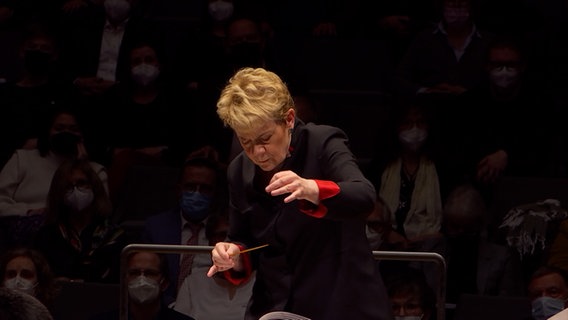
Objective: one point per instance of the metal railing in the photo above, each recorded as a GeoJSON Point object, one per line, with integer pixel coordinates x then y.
{"type": "Point", "coordinates": [180, 249]}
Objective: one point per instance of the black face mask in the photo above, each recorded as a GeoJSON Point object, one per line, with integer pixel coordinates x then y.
{"type": "Point", "coordinates": [65, 143]}
{"type": "Point", "coordinates": [36, 61]}
{"type": "Point", "coordinates": [245, 54]}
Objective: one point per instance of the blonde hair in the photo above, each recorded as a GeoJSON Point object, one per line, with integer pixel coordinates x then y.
{"type": "Point", "coordinates": [252, 97]}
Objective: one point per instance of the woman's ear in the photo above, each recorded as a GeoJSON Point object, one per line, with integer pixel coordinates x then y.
{"type": "Point", "coordinates": [290, 118]}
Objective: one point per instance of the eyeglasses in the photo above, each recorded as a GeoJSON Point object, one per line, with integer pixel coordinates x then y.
{"type": "Point", "coordinates": [145, 272]}
{"type": "Point", "coordinates": [81, 185]}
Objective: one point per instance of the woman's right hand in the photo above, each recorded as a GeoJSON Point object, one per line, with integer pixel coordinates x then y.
{"type": "Point", "coordinates": [225, 256]}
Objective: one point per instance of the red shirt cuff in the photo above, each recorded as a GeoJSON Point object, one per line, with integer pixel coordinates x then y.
{"type": "Point", "coordinates": [238, 277]}
{"type": "Point", "coordinates": [327, 189]}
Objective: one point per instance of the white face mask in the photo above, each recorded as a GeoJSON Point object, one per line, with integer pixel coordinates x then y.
{"type": "Point", "coordinates": [117, 10]}
{"type": "Point", "coordinates": [144, 74]}
{"type": "Point", "coordinates": [78, 200]}
{"type": "Point", "coordinates": [21, 284]}
{"type": "Point", "coordinates": [545, 307]}
{"type": "Point", "coordinates": [220, 10]}
{"type": "Point", "coordinates": [143, 290]}
{"type": "Point", "coordinates": [504, 77]}
{"type": "Point", "coordinates": [456, 16]}
{"type": "Point", "coordinates": [413, 138]}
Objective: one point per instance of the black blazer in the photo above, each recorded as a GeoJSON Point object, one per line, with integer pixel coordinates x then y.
{"type": "Point", "coordinates": [321, 268]}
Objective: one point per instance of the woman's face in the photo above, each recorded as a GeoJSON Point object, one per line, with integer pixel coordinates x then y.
{"type": "Point", "coordinates": [268, 146]}
{"type": "Point", "coordinates": [23, 267]}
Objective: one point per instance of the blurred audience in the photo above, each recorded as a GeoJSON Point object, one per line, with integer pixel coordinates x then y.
{"type": "Point", "coordinates": [26, 177]}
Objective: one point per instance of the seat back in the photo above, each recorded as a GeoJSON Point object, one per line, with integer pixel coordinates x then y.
{"type": "Point", "coordinates": [475, 307]}
{"type": "Point", "coordinates": [82, 300]}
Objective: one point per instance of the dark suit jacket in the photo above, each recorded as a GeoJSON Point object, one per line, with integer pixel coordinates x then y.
{"type": "Point", "coordinates": [80, 55]}
{"type": "Point", "coordinates": [321, 268]}
{"type": "Point", "coordinates": [165, 228]}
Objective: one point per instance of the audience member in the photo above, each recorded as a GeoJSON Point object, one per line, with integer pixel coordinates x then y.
{"type": "Point", "coordinates": [548, 291]}
{"type": "Point", "coordinates": [213, 298]}
{"type": "Point", "coordinates": [96, 50]}
{"type": "Point", "coordinates": [445, 61]}
{"type": "Point", "coordinates": [25, 179]}
{"type": "Point", "coordinates": [474, 264]}
{"type": "Point", "coordinates": [147, 280]}
{"type": "Point", "coordinates": [78, 238]}
{"type": "Point", "coordinates": [410, 296]}
{"type": "Point", "coordinates": [16, 305]}
{"type": "Point", "coordinates": [27, 270]}
{"type": "Point", "coordinates": [201, 194]}
{"type": "Point", "coordinates": [397, 22]}
{"type": "Point", "coordinates": [501, 146]}
{"type": "Point", "coordinates": [30, 98]}
{"type": "Point", "coordinates": [408, 176]}
{"type": "Point", "coordinates": [141, 111]}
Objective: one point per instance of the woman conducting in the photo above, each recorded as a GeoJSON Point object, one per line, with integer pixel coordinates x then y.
{"type": "Point", "coordinates": [296, 188]}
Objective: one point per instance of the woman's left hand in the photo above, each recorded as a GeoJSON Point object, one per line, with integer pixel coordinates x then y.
{"type": "Point", "coordinates": [285, 182]}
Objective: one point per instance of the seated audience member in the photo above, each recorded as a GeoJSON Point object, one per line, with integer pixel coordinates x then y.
{"type": "Point", "coordinates": [78, 238]}
{"type": "Point", "coordinates": [28, 100]}
{"type": "Point", "coordinates": [409, 177]}
{"type": "Point", "coordinates": [213, 298]}
{"type": "Point", "coordinates": [410, 296]}
{"type": "Point", "coordinates": [28, 271]}
{"type": "Point", "coordinates": [445, 60]}
{"type": "Point", "coordinates": [16, 305]}
{"type": "Point", "coordinates": [26, 177]}
{"type": "Point", "coordinates": [548, 291]}
{"type": "Point", "coordinates": [147, 280]}
{"type": "Point", "coordinates": [142, 118]}
{"type": "Point", "coordinates": [201, 194]}
{"type": "Point", "coordinates": [474, 264]}
{"type": "Point", "coordinates": [497, 146]}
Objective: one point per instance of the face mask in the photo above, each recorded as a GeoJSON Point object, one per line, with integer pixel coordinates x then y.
{"type": "Point", "coordinates": [408, 317]}
{"type": "Point", "coordinates": [413, 138]}
{"type": "Point", "coordinates": [144, 74]}
{"type": "Point", "coordinates": [220, 10]}
{"type": "Point", "coordinates": [36, 61]}
{"type": "Point", "coordinates": [504, 77]}
{"type": "Point", "coordinates": [545, 307]}
{"type": "Point", "coordinates": [21, 284]}
{"type": "Point", "coordinates": [64, 143]}
{"type": "Point", "coordinates": [194, 205]}
{"type": "Point", "coordinates": [117, 10]}
{"type": "Point", "coordinates": [143, 290]}
{"type": "Point", "coordinates": [78, 200]}
{"type": "Point", "coordinates": [456, 16]}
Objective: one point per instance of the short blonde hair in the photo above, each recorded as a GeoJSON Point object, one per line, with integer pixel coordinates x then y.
{"type": "Point", "coordinates": [252, 97]}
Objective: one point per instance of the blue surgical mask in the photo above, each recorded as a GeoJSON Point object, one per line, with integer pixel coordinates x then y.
{"type": "Point", "coordinates": [545, 307]}
{"type": "Point", "coordinates": [194, 205]}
